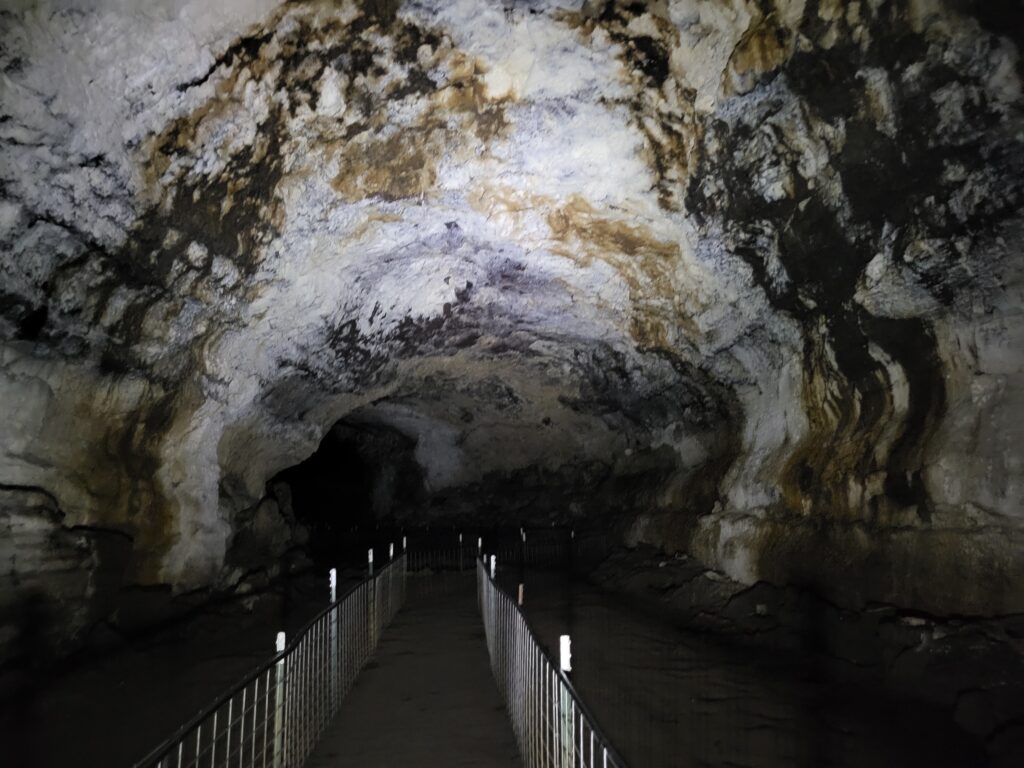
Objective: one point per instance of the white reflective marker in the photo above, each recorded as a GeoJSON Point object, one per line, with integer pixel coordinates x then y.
{"type": "Point", "coordinates": [494, 560]}
{"type": "Point", "coordinates": [520, 594]}
{"type": "Point", "coordinates": [278, 708]}
{"type": "Point", "coordinates": [403, 543]}
{"type": "Point", "coordinates": [565, 653]}
{"type": "Point", "coordinates": [334, 584]}
{"type": "Point", "coordinates": [479, 544]}
{"type": "Point", "coordinates": [522, 533]}
{"type": "Point", "coordinates": [391, 551]}
{"type": "Point", "coordinates": [460, 538]}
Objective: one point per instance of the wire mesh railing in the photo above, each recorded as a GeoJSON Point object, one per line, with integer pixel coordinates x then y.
{"type": "Point", "coordinates": [552, 726]}
{"type": "Point", "coordinates": [525, 549]}
{"type": "Point", "coordinates": [455, 557]}
{"type": "Point", "coordinates": [275, 716]}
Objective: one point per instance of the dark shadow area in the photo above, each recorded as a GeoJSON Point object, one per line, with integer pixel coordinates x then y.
{"type": "Point", "coordinates": [349, 494]}
{"type": "Point", "coordinates": [110, 707]}
{"type": "Point", "coordinates": [666, 697]}
{"type": "Point", "coordinates": [962, 677]}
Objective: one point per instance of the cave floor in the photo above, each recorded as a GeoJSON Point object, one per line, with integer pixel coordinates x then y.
{"type": "Point", "coordinates": [111, 709]}
{"type": "Point", "coordinates": [427, 698]}
{"type": "Point", "coordinates": [667, 698]}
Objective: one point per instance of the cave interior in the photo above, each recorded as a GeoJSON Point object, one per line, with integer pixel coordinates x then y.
{"type": "Point", "coordinates": [732, 289]}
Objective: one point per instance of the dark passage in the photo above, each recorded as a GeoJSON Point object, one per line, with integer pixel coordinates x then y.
{"type": "Point", "coordinates": [350, 490]}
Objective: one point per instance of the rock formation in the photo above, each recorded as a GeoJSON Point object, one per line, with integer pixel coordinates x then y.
{"type": "Point", "coordinates": [739, 278]}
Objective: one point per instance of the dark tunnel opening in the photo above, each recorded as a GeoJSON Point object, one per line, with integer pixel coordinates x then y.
{"type": "Point", "coordinates": [352, 491]}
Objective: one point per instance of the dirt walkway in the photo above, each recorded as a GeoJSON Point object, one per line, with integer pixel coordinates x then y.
{"type": "Point", "coordinates": [428, 698]}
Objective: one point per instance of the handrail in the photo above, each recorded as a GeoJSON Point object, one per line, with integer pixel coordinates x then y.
{"type": "Point", "coordinates": [542, 717]}
{"type": "Point", "coordinates": [325, 631]}
{"type": "Point", "coordinates": [245, 681]}
{"type": "Point", "coordinates": [534, 551]}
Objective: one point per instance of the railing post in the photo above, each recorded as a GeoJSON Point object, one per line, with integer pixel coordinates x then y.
{"type": "Point", "coordinates": [566, 731]}
{"type": "Point", "coordinates": [405, 570]}
{"type": "Point", "coordinates": [335, 618]}
{"type": "Point", "coordinates": [391, 581]}
{"type": "Point", "coordinates": [371, 613]}
{"type": "Point", "coordinates": [292, 699]}
{"type": "Point", "coordinates": [279, 724]}
{"type": "Point", "coordinates": [494, 561]}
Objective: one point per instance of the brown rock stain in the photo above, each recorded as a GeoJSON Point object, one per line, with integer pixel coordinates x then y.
{"type": "Point", "coordinates": [404, 164]}
{"type": "Point", "coordinates": [645, 263]}
{"type": "Point", "coordinates": [764, 47]}
{"type": "Point", "coordinates": [185, 133]}
{"type": "Point", "coordinates": [584, 235]}
{"type": "Point", "coordinates": [610, 239]}
{"type": "Point", "coordinates": [400, 166]}
{"type": "Point", "coordinates": [373, 162]}
{"type": "Point", "coordinates": [466, 95]}
{"type": "Point", "coordinates": [662, 108]}
{"type": "Point", "coordinates": [831, 471]}
{"type": "Point", "coordinates": [370, 222]}
{"type": "Point", "coordinates": [118, 464]}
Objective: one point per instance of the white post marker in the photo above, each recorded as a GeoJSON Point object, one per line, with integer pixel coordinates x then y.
{"type": "Point", "coordinates": [279, 685]}
{"type": "Point", "coordinates": [494, 560]}
{"type": "Point", "coordinates": [403, 543]}
{"type": "Point", "coordinates": [334, 632]}
{"type": "Point", "coordinates": [371, 594]}
{"type": "Point", "coordinates": [479, 545]}
{"type": "Point", "coordinates": [391, 551]}
{"type": "Point", "coordinates": [565, 653]}
{"type": "Point", "coordinates": [565, 705]}
{"type": "Point", "coordinates": [522, 534]}
{"type": "Point", "coordinates": [520, 596]}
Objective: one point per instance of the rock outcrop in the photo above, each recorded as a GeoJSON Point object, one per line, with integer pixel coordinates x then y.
{"type": "Point", "coordinates": [744, 276]}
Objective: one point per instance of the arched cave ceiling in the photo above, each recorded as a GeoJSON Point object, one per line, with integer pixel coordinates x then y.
{"type": "Point", "coordinates": [744, 275]}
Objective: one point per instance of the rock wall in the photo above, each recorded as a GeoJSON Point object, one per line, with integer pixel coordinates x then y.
{"type": "Point", "coordinates": [742, 276]}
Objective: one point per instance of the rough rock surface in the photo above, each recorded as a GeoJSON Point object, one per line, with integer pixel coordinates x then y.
{"type": "Point", "coordinates": [971, 668]}
{"type": "Point", "coordinates": [744, 275]}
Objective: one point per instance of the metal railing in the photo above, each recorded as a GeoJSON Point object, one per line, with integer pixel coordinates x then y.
{"type": "Point", "coordinates": [552, 726]}
{"type": "Point", "coordinates": [456, 557]}
{"type": "Point", "coordinates": [527, 551]}
{"type": "Point", "coordinates": [274, 717]}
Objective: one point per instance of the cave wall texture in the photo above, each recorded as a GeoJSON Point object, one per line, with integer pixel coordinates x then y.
{"type": "Point", "coordinates": [741, 277]}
